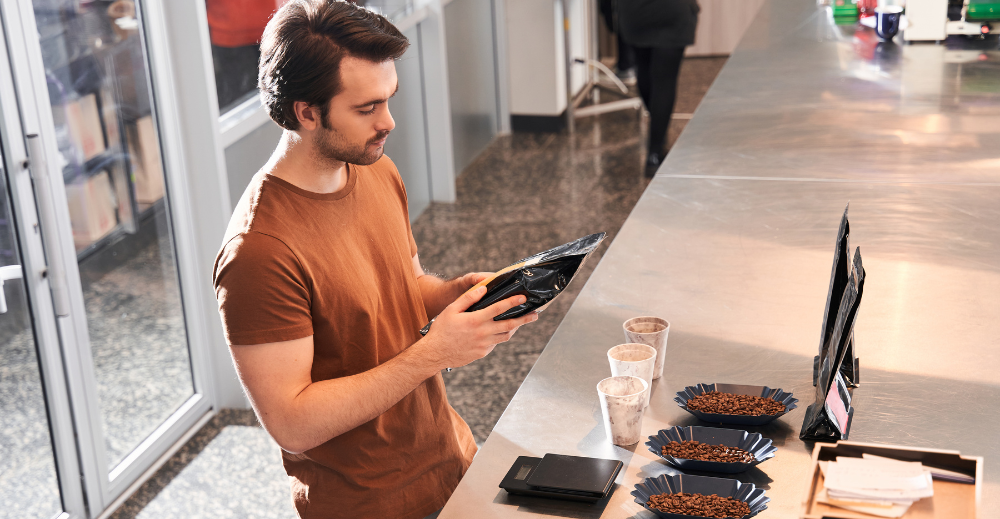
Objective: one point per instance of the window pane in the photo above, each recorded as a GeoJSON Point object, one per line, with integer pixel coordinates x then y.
{"type": "Point", "coordinates": [96, 65]}
{"type": "Point", "coordinates": [235, 27]}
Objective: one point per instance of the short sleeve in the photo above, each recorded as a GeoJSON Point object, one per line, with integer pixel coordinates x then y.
{"type": "Point", "coordinates": [262, 290]}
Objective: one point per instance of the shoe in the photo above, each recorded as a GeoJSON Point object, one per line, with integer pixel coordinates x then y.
{"type": "Point", "coordinates": [653, 161]}
{"type": "Point", "coordinates": [626, 76]}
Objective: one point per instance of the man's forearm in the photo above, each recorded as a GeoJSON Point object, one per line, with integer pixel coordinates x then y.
{"type": "Point", "coordinates": [329, 408]}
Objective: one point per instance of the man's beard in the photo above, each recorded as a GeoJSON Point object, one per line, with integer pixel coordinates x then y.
{"type": "Point", "coordinates": [333, 146]}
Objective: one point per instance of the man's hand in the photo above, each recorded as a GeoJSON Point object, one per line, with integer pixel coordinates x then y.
{"type": "Point", "coordinates": [472, 279]}
{"type": "Point", "coordinates": [459, 337]}
{"type": "Point", "coordinates": [438, 293]}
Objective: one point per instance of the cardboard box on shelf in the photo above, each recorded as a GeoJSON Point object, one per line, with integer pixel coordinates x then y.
{"type": "Point", "coordinates": [83, 121]}
{"type": "Point", "coordinates": [92, 208]}
{"type": "Point", "coordinates": [147, 169]}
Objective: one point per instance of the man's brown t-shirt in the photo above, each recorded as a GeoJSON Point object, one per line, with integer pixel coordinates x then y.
{"type": "Point", "coordinates": [338, 267]}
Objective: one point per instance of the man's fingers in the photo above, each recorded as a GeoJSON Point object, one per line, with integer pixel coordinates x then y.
{"type": "Point", "coordinates": [510, 325]}
{"type": "Point", "coordinates": [467, 299]}
{"type": "Point", "coordinates": [474, 278]}
{"type": "Point", "coordinates": [502, 306]}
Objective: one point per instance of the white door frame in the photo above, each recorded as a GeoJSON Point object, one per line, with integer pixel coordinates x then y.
{"type": "Point", "coordinates": [46, 334]}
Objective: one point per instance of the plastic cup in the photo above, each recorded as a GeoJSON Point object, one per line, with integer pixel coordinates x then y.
{"type": "Point", "coordinates": [651, 331]}
{"type": "Point", "coordinates": [621, 405]}
{"type": "Point", "coordinates": [634, 360]}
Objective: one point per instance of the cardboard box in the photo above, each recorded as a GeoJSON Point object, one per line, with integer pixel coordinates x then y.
{"type": "Point", "coordinates": [951, 500]}
{"type": "Point", "coordinates": [83, 123]}
{"type": "Point", "coordinates": [92, 208]}
{"type": "Point", "coordinates": [147, 168]}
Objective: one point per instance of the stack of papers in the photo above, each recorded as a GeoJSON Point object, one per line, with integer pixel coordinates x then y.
{"type": "Point", "coordinates": [876, 486]}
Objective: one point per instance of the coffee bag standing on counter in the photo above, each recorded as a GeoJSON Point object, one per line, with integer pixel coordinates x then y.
{"type": "Point", "coordinates": [540, 278]}
{"type": "Point", "coordinates": [838, 281]}
{"type": "Point", "coordinates": [829, 417]}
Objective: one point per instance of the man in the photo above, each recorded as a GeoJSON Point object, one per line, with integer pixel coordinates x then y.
{"type": "Point", "coordinates": [320, 288]}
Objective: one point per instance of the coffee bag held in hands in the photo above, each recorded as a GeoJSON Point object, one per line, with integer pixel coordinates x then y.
{"type": "Point", "coordinates": [540, 278]}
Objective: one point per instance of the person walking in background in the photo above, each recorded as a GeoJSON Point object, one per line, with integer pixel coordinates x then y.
{"type": "Point", "coordinates": [235, 27]}
{"type": "Point", "coordinates": [658, 31]}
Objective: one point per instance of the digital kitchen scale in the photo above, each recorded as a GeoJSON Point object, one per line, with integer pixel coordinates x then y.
{"type": "Point", "coordinates": [559, 476]}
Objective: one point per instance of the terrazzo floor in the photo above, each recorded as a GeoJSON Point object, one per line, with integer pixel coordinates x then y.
{"type": "Point", "coordinates": [523, 194]}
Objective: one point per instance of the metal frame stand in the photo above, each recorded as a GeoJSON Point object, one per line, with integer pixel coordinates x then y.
{"type": "Point", "coordinates": [593, 86]}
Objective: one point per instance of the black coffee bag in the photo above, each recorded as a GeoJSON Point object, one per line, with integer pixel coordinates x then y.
{"type": "Point", "coordinates": [539, 277]}
{"type": "Point", "coordinates": [835, 369]}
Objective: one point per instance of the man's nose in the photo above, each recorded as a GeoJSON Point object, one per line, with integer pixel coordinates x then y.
{"type": "Point", "coordinates": [385, 123]}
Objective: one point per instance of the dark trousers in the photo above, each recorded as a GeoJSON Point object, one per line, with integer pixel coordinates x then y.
{"type": "Point", "coordinates": [656, 72]}
{"type": "Point", "coordinates": [235, 73]}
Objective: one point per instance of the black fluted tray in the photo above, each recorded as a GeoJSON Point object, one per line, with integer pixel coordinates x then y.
{"type": "Point", "coordinates": [667, 484]}
{"type": "Point", "coordinates": [761, 447]}
{"type": "Point", "coordinates": [736, 389]}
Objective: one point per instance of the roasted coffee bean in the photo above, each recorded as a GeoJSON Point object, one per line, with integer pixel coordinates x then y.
{"type": "Point", "coordinates": [728, 403]}
{"type": "Point", "coordinates": [698, 505]}
{"type": "Point", "coordinates": [694, 450]}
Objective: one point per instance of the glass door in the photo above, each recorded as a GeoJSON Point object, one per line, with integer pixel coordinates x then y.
{"type": "Point", "coordinates": [39, 469]}
{"type": "Point", "coordinates": [81, 70]}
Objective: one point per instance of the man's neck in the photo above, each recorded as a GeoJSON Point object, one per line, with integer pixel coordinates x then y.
{"type": "Point", "coordinates": [297, 162]}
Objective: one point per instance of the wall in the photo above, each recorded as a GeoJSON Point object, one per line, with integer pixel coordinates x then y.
{"type": "Point", "coordinates": [531, 48]}
{"type": "Point", "coordinates": [472, 78]}
{"type": "Point", "coordinates": [246, 156]}
{"type": "Point", "coordinates": [537, 61]}
{"type": "Point", "coordinates": [407, 145]}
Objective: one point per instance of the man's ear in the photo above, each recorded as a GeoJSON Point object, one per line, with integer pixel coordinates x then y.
{"type": "Point", "coordinates": [308, 115]}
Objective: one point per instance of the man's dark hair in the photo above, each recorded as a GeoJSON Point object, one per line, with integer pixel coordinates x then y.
{"type": "Point", "coordinates": [301, 50]}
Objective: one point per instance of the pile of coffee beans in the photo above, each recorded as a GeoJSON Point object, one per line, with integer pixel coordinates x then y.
{"type": "Point", "coordinates": [698, 505]}
{"type": "Point", "coordinates": [694, 450]}
{"type": "Point", "coordinates": [728, 403]}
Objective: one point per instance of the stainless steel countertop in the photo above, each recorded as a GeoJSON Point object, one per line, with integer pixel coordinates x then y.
{"type": "Point", "coordinates": [740, 267]}
{"type": "Point", "coordinates": [802, 97]}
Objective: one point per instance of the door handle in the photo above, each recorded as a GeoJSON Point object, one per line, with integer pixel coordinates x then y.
{"type": "Point", "coordinates": [6, 274]}
{"type": "Point", "coordinates": [47, 217]}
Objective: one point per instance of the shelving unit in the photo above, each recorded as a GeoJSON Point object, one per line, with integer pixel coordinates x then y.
{"type": "Point", "coordinates": [98, 89]}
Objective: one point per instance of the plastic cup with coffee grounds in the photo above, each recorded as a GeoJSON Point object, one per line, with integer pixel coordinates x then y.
{"type": "Point", "coordinates": [634, 360]}
{"type": "Point", "coordinates": [651, 331]}
{"type": "Point", "coordinates": [621, 406]}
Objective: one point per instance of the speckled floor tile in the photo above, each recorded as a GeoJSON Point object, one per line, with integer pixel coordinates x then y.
{"type": "Point", "coordinates": [269, 475]}
{"type": "Point", "coordinates": [238, 475]}
{"type": "Point", "coordinates": [28, 486]}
